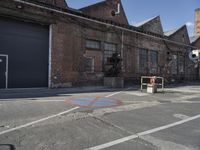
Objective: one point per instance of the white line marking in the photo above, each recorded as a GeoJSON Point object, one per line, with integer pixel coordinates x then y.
{"type": "Point", "coordinates": [113, 94]}
{"type": "Point", "coordinates": [180, 116]}
{"type": "Point", "coordinates": [188, 102]}
{"type": "Point", "coordinates": [37, 121]}
{"type": "Point", "coordinates": [117, 92]}
{"type": "Point", "coordinates": [131, 137]}
{"type": "Point", "coordinates": [63, 100]}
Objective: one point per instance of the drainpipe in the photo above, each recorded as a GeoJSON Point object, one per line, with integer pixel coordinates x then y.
{"type": "Point", "coordinates": [122, 51]}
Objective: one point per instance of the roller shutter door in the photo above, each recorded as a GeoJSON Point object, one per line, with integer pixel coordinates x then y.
{"type": "Point", "coordinates": [26, 45]}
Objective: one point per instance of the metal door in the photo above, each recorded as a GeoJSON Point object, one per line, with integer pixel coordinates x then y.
{"type": "Point", "coordinates": [3, 71]}
{"type": "Point", "coordinates": [27, 46]}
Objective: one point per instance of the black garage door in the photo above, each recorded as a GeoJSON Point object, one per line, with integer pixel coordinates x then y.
{"type": "Point", "coordinates": [26, 45]}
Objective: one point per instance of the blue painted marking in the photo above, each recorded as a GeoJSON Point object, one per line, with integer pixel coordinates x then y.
{"type": "Point", "coordinates": [83, 101]}
{"type": "Point", "coordinates": [95, 102]}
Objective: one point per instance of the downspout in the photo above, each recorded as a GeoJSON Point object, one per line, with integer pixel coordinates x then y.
{"type": "Point", "coordinates": [122, 51]}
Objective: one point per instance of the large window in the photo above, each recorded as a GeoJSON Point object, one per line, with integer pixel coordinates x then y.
{"type": "Point", "coordinates": [92, 44]}
{"type": "Point", "coordinates": [181, 64]}
{"type": "Point", "coordinates": [174, 66]}
{"type": "Point", "coordinates": [143, 61]}
{"type": "Point", "coordinates": [153, 64]}
{"type": "Point", "coordinates": [109, 50]}
{"type": "Point", "coordinates": [89, 64]}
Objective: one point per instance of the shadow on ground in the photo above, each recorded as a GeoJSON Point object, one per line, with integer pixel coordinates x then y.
{"type": "Point", "coordinates": [7, 147]}
{"type": "Point", "coordinates": [32, 94]}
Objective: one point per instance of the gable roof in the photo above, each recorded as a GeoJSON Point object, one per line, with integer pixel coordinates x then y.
{"type": "Point", "coordinates": [153, 25]}
{"type": "Point", "coordinates": [173, 31]}
{"type": "Point", "coordinates": [170, 32]}
{"type": "Point", "coordinates": [194, 39]}
{"type": "Point", "coordinates": [93, 5]}
{"type": "Point", "coordinates": [103, 10]}
{"type": "Point", "coordinates": [138, 24]}
{"type": "Point", "coordinates": [71, 12]}
{"type": "Point", "coordinates": [179, 35]}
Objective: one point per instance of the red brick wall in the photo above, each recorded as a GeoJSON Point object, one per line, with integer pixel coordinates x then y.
{"type": "Point", "coordinates": [197, 22]}
{"type": "Point", "coordinates": [68, 44]}
{"type": "Point", "coordinates": [103, 10]}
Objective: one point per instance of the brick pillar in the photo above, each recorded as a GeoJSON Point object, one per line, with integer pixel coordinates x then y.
{"type": "Point", "coordinates": [197, 22]}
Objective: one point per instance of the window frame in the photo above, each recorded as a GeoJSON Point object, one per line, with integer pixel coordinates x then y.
{"type": "Point", "coordinates": [90, 47]}
{"type": "Point", "coordinates": [143, 68]}
{"type": "Point", "coordinates": [92, 65]}
{"type": "Point", "coordinates": [151, 65]}
{"type": "Point", "coordinates": [108, 52]}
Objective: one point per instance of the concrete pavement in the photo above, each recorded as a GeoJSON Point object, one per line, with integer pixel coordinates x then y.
{"type": "Point", "coordinates": [80, 128]}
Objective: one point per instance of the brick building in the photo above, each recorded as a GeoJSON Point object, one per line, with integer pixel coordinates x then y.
{"type": "Point", "coordinates": [45, 43]}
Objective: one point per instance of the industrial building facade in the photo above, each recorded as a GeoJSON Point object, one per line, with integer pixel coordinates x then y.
{"type": "Point", "coordinates": [45, 43]}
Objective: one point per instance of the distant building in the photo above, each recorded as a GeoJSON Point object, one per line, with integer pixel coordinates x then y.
{"type": "Point", "coordinates": [197, 22]}
{"type": "Point", "coordinates": [44, 43]}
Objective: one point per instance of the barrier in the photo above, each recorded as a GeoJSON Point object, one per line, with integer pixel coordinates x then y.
{"type": "Point", "coordinates": [153, 82]}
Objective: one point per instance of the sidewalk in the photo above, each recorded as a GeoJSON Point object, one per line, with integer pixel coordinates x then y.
{"type": "Point", "coordinates": [45, 92]}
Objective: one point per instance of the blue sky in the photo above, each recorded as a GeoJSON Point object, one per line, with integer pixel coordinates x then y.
{"type": "Point", "coordinates": [173, 13]}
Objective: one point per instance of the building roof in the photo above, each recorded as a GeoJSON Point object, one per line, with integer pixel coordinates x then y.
{"type": "Point", "coordinates": [104, 21]}
{"type": "Point", "coordinates": [144, 22]}
{"type": "Point", "coordinates": [103, 10]}
{"type": "Point", "coordinates": [170, 32]}
{"type": "Point", "coordinates": [93, 5]}
{"type": "Point", "coordinates": [194, 39]}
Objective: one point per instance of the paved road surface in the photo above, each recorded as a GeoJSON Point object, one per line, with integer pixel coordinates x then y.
{"type": "Point", "coordinates": [100, 118]}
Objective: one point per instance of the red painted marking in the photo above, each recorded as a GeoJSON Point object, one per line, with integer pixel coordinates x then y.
{"type": "Point", "coordinates": [93, 102]}
{"type": "Point", "coordinates": [118, 103]}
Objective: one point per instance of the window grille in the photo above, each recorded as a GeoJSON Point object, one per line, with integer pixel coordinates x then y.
{"type": "Point", "coordinates": [153, 64]}
{"type": "Point", "coordinates": [109, 50]}
{"type": "Point", "coordinates": [89, 64]}
{"type": "Point", "coordinates": [91, 44]}
{"type": "Point", "coordinates": [143, 61]}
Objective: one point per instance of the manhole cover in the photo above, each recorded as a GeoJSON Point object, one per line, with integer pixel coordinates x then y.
{"type": "Point", "coordinates": [97, 102]}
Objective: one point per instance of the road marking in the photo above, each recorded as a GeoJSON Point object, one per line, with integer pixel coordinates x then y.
{"type": "Point", "coordinates": [60, 100]}
{"type": "Point", "coordinates": [180, 116]}
{"type": "Point", "coordinates": [188, 102]}
{"type": "Point", "coordinates": [137, 93]}
{"type": "Point", "coordinates": [113, 94]}
{"type": "Point", "coordinates": [131, 137]}
{"type": "Point", "coordinates": [117, 92]}
{"type": "Point", "coordinates": [37, 121]}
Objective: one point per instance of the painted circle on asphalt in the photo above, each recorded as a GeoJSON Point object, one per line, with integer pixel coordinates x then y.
{"type": "Point", "coordinates": [95, 102]}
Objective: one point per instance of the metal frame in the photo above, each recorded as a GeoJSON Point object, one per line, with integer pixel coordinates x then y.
{"type": "Point", "coordinates": [6, 73]}
{"type": "Point", "coordinates": [149, 77]}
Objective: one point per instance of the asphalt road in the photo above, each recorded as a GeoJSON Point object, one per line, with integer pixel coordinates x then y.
{"type": "Point", "coordinates": [100, 118]}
